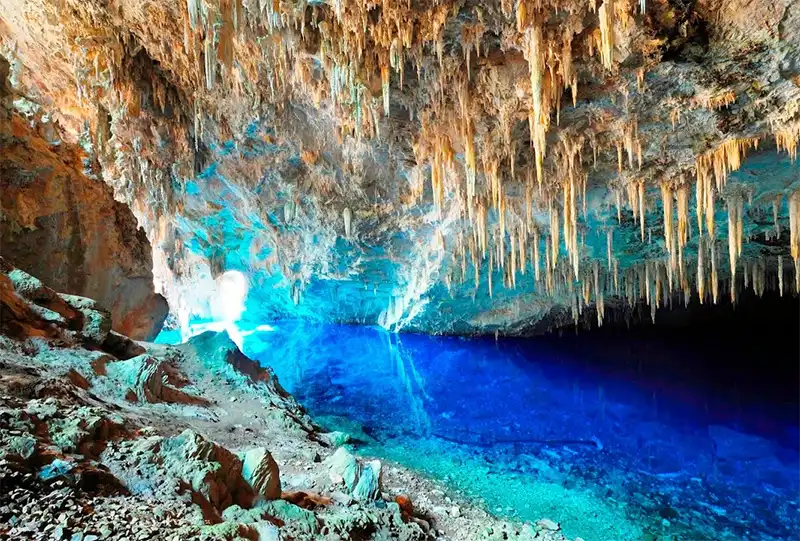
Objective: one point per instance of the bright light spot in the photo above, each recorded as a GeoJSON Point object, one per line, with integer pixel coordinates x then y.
{"type": "Point", "coordinates": [228, 306]}
{"type": "Point", "coordinates": [265, 328]}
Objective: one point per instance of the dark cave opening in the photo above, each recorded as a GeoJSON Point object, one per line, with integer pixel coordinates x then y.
{"type": "Point", "coordinates": [742, 357]}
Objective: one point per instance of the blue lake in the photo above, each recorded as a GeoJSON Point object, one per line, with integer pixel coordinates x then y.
{"type": "Point", "coordinates": [608, 446]}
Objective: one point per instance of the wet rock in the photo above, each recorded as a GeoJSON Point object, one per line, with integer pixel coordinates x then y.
{"type": "Point", "coordinates": [260, 470]}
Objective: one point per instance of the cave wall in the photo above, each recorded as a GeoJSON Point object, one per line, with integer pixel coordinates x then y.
{"type": "Point", "coordinates": [60, 222]}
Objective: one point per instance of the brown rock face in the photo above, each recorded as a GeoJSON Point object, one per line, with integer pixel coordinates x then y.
{"type": "Point", "coordinates": [58, 223]}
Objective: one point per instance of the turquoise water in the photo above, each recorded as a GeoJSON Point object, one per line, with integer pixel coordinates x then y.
{"type": "Point", "coordinates": [612, 450]}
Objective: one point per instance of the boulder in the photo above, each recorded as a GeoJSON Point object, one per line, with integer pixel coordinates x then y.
{"type": "Point", "coordinates": [363, 482]}
{"type": "Point", "coordinates": [369, 483]}
{"type": "Point", "coordinates": [121, 346]}
{"type": "Point", "coordinates": [213, 473]}
{"type": "Point", "coordinates": [96, 321]}
{"type": "Point", "coordinates": [260, 470]}
{"type": "Point", "coordinates": [149, 379]}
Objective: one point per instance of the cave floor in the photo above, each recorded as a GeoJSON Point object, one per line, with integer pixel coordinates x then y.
{"type": "Point", "coordinates": [612, 452]}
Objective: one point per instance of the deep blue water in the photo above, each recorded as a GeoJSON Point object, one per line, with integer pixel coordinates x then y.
{"type": "Point", "coordinates": [600, 440]}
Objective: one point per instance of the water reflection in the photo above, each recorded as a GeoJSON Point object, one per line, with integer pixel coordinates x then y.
{"type": "Point", "coordinates": [671, 460]}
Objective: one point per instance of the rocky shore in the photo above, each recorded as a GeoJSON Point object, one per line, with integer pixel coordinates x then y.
{"type": "Point", "coordinates": [102, 437]}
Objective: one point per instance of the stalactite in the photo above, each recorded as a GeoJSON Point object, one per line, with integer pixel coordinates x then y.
{"type": "Point", "coordinates": [683, 214]}
{"type": "Point", "coordinates": [606, 16]}
{"type": "Point", "coordinates": [538, 116]}
{"type": "Point", "coordinates": [347, 215]}
{"type": "Point", "coordinates": [491, 272]}
{"type": "Point", "coordinates": [714, 273]}
{"type": "Point", "coordinates": [641, 207]}
{"type": "Point", "coordinates": [225, 36]}
{"type": "Point", "coordinates": [787, 139]}
{"type": "Point", "coordinates": [193, 8]}
{"type": "Point", "coordinates": [701, 271]}
{"type": "Point", "coordinates": [794, 235]}
{"type": "Point", "coordinates": [666, 202]}
{"type": "Point", "coordinates": [734, 232]}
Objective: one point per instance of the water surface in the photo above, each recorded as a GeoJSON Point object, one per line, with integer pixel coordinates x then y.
{"type": "Point", "coordinates": [601, 441]}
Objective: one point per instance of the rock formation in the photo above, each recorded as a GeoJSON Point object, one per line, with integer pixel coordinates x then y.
{"type": "Point", "coordinates": [451, 166]}
{"type": "Point", "coordinates": [61, 222]}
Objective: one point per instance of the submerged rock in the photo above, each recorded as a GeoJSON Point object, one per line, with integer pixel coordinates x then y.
{"type": "Point", "coordinates": [732, 445]}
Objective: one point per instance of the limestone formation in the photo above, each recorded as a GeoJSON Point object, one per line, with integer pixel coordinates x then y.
{"type": "Point", "coordinates": [478, 167]}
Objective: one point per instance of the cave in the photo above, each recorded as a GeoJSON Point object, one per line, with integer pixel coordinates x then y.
{"type": "Point", "coordinates": [451, 270]}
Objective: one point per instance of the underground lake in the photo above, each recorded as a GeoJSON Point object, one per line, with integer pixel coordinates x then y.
{"type": "Point", "coordinates": [664, 432]}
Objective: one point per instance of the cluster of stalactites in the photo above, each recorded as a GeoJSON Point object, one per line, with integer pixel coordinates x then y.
{"type": "Point", "coordinates": [713, 169]}
{"type": "Point", "coordinates": [652, 281]}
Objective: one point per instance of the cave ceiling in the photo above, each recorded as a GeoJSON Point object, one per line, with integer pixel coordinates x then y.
{"type": "Point", "coordinates": [444, 166]}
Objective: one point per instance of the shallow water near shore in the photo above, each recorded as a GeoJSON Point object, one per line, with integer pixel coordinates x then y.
{"type": "Point", "coordinates": [530, 430]}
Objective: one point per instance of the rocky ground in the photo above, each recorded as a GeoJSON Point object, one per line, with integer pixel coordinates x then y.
{"type": "Point", "coordinates": [102, 437]}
